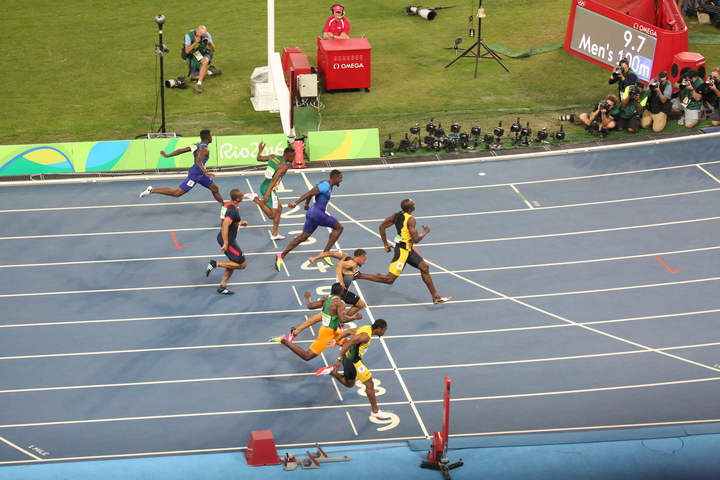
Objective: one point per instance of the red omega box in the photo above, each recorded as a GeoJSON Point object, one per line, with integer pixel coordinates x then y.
{"type": "Point", "coordinates": [344, 63]}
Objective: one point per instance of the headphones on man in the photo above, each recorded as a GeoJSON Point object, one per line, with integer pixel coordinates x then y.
{"type": "Point", "coordinates": [332, 9]}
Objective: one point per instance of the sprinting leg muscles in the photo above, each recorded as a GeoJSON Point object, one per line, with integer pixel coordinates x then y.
{"type": "Point", "coordinates": [216, 193]}
{"type": "Point", "coordinates": [387, 278]}
{"type": "Point", "coordinates": [425, 275]}
{"type": "Point", "coordinates": [306, 355]}
{"type": "Point", "coordinates": [334, 235]}
{"type": "Point", "coordinates": [308, 323]}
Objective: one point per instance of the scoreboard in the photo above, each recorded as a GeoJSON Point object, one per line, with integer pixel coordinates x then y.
{"type": "Point", "coordinates": [604, 35]}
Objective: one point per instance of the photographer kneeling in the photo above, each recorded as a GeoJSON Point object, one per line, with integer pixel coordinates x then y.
{"type": "Point", "coordinates": [603, 116]}
{"type": "Point", "coordinates": [631, 107]}
{"type": "Point", "coordinates": [199, 50]}
{"type": "Point", "coordinates": [658, 104]}
{"type": "Point", "coordinates": [689, 102]}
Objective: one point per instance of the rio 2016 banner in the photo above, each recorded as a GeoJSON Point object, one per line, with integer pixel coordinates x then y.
{"type": "Point", "coordinates": [145, 154]}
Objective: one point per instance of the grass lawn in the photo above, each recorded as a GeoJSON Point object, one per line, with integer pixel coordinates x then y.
{"type": "Point", "coordinates": [87, 71]}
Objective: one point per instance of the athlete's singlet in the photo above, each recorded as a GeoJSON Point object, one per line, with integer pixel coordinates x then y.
{"type": "Point", "coordinates": [330, 321]}
{"type": "Point", "coordinates": [356, 352]}
{"type": "Point", "coordinates": [403, 233]}
{"type": "Point", "coordinates": [272, 166]}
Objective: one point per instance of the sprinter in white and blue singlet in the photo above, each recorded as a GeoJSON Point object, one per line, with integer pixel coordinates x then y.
{"type": "Point", "coordinates": [197, 174]}
{"type": "Point", "coordinates": [316, 215]}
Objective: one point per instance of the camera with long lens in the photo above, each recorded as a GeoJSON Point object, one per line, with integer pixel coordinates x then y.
{"type": "Point", "coordinates": [475, 131]}
{"type": "Point", "coordinates": [204, 39]}
{"type": "Point", "coordinates": [567, 118]}
{"type": "Point", "coordinates": [176, 83]}
{"type": "Point", "coordinates": [415, 129]}
{"type": "Point", "coordinates": [603, 106]}
{"type": "Point", "coordinates": [439, 132]}
{"type": "Point", "coordinates": [559, 135]}
{"type": "Point", "coordinates": [516, 127]}
{"type": "Point", "coordinates": [542, 135]}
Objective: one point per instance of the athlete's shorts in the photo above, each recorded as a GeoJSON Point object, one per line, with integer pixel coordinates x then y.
{"type": "Point", "coordinates": [403, 257]}
{"type": "Point", "coordinates": [358, 370]}
{"type": "Point", "coordinates": [233, 252]}
{"type": "Point", "coordinates": [325, 335]}
{"type": "Point", "coordinates": [350, 298]}
{"type": "Point", "coordinates": [194, 178]}
{"type": "Point", "coordinates": [317, 218]}
{"type": "Point", "coordinates": [273, 200]}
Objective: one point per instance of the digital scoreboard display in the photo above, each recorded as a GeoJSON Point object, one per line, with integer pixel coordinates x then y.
{"type": "Point", "coordinates": [607, 41]}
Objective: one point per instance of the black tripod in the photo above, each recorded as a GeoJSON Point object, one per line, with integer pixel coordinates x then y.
{"type": "Point", "coordinates": [470, 52]}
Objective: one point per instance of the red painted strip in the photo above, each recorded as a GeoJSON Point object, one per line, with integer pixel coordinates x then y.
{"type": "Point", "coordinates": [177, 244]}
{"type": "Point", "coordinates": [664, 265]}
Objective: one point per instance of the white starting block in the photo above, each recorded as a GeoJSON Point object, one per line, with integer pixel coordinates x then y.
{"type": "Point", "coordinates": [313, 461]}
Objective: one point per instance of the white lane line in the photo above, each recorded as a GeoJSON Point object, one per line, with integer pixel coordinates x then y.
{"type": "Point", "coordinates": [337, 407]}
{"type": "Point", "coordinates": [708, 173]}
{"type": "Point", "coordinates": [351, 423]}
{"type": "Point", "coordinates": [469, 214]}
{"type": "Point", "coordinates": [522, 197]}
{"type": "Point", "coordinates": [20, 449]}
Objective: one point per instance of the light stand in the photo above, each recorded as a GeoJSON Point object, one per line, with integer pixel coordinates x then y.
{"type": "Point", "coordinates": [160, 52]}
{"type": "Point", "coordinates": [479, 43]}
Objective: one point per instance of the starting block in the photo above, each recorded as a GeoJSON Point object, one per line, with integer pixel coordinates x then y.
{"type": "Point", "coordinates": [313, 461]}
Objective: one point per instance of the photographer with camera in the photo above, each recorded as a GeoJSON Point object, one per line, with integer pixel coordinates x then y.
{"type": "Point", "coordinates": [710, 91]}
{"type": "Point", "coordinates": [631, 108]}
{"type": "Point", "coordinates": [623, 76]}
{"type": "Point", "coordinates": [689, 102]}
{"type": "Point", "coordinates": [199, 51]}
{"type": "Point", "coordinates": [336, 26]}
{"type": "Point", "coordinates": [602, 118]}
{"type": "Point", "coordinates": [658, 104]}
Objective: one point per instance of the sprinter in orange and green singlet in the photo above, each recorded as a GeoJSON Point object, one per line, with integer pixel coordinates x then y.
{"type": "Point", "coordinates": [333, 317]}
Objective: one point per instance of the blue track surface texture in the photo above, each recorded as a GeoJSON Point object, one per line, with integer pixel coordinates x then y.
{"type": "Point", "coordinates": [584, 293]}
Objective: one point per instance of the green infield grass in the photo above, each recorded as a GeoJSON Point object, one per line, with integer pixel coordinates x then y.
{"type": "Point", "coordinates": [79, 70]}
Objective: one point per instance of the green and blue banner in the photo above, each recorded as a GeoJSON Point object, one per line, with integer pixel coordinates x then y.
{"type": "Point", "coordinates": [124, 155]}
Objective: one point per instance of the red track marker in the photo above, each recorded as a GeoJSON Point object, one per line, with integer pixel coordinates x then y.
{"type": "Point", "coordinates": [664, 265]}
{"type": "Point", "coordinates": [177, 244]}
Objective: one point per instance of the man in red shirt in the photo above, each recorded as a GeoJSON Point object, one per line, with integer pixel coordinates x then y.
{"type": "Point", "coordinates": [336, 26]}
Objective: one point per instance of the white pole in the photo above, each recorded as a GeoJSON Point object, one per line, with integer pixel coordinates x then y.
{"type": "Point", "coordinates": [271, 28]}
